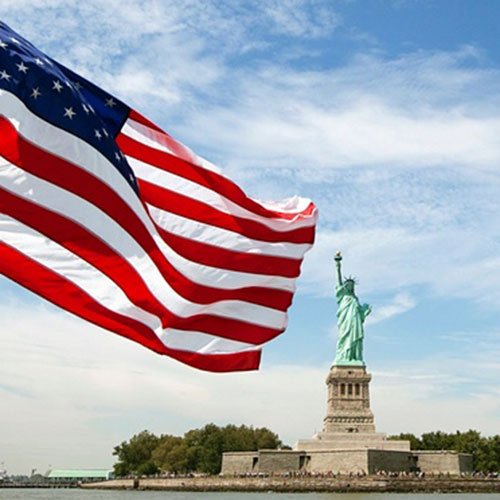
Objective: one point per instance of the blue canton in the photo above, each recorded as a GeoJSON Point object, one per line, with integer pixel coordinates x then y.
{"type": "Point", "coordinates": [62, 98]}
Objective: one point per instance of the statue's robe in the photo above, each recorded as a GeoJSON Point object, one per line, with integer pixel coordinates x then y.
{"type": "Point", "coordinates": [351, 316]}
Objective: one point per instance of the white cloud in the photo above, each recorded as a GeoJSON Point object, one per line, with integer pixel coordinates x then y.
{"type": "Point", "coordinates": [399, 153]}
{"type": "Point", "coordinates": [444, 391]}
{"type": "Point", "coordinates": [73, 391]}
{"type": "Point", "coordinates": [447, 262]}
{"type": "Point", "coordinates": [401, 303]}
{"type": "Point", "coordinates": [421, 110]}
{"type": "Point", "coordinates": [300, 18]}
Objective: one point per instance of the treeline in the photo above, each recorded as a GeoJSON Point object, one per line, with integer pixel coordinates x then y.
{"type": "Point", "coordinates": [200, 450]}
{"type": "Point", "coordinates": [484, 450]}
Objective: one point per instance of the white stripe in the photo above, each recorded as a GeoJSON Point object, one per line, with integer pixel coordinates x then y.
{"type": "Point", "coordinates": [293, 205]}
{"type": "Point", "coordinates": [195, 191]}
{"type": "Point", "coordinates": [60, 143]}
{"type": "Point", "coordinates": [68, 265]}
{"type": "Point", "coordinates": [79, 153]}
{"type": "Point", "coordinates": [97, 285]}
{"type": "Point", "coordinates": [101, 225]}
{"type": "Point", "coordinates": [156, 140]}
{"type": "Point", "coordinates": [202, 343]}
{"type": "Point", "coordinates": [212, 235]}
{"type": "Point", "coordinates": [222, 278]}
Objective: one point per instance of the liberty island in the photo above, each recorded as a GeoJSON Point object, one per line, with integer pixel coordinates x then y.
{"type": "Point", "coordinates": [348, 455]}
{"type": "Point", "coordinates": [348, 443]}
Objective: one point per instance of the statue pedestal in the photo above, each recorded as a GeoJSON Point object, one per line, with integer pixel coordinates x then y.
{"type": "Point", "coordinates": [349, 423]}
{"type": "Point", "coordinates": [348, 406]}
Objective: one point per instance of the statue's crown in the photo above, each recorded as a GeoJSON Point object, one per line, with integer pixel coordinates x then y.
{"type": "Point", "coordinates": [351, 278]}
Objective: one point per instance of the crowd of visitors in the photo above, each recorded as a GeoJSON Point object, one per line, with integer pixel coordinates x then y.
{"type": "Point", "coordinates": [361, 474]}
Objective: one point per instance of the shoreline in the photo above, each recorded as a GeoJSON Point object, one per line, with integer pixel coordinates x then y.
{"type": "Point", "coordinates": [368, 484]}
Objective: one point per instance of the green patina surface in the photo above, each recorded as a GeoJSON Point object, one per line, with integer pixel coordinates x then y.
{"type": "Point", "coordinates": [351, 316]}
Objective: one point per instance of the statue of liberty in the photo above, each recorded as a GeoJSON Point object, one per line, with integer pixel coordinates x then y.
{"type": "Point", "coordinates": [350, 316]}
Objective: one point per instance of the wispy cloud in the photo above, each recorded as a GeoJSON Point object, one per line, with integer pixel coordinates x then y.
{"type": "Point", "coordinates": [400, 153]}
{"type": "Point", "coordinates": [420, 110]}
{"type": "Point", "coordinates": [300, 18]}
{"type": "Point", "coordinates": [401, 303]}
{"type": "Point", "coordinates": [90, 379]}
{"type": "Point", "coordinates": [93, 380]}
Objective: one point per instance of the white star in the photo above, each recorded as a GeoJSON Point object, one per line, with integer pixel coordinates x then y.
{"type": "Point", "coordinates": [68, 112]}
{"type": "Point", "coordinates": [4, 75]}
{"type": "Point", "coordinates": [3, 45]}
{"type": "Point", "coordinates": [85, 108]}
{"type": "Point", "coordinates": [118, 157]}
{"type": "Point", "coordinates": [22, 68]}
{"type": "Point", "coordinates": [98, 134]}
{"type": "Point", "coordinates": [36, 93]}
{"type": "Point", "coordinates": [78, 85]}
{"type": "Point", "coordinates": [39, 61]}
{"type": "Point", "coordinates": [57, 86]}
{"type": "Point", "coordinates": [15, 40]}
{"type": "Point", "coordinates": [105, 132]}
{"type": "Point", "coordinates": [110, 102]}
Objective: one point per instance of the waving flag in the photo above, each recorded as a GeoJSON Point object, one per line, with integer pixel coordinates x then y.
{"type": "Point", "coordinates": [107, 216]}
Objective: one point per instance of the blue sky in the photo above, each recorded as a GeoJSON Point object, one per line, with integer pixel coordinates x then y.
{"type": "Point", "coordinates": [387, 114]}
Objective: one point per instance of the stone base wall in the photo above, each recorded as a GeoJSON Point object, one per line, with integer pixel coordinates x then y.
{"type": "Point", "coordinates": [338, 461]}
{"type": "Point", "coordinates": [281, 460]}
{"type": "Point", "coordinates": [443, 461]}
{"type": "Point", "coordinates": [391, 460]}
{"type": "Point", "coordinates": [268, 461]}
{"type": "Point", "coordinates": [346, 461]}
{"type": "Point", "coordinates": [239, 462]}
{"type": "Point", "coordinates": [350, 441]}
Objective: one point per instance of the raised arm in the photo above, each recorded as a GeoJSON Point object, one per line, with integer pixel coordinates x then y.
{"type": "Point", "coordinates": [338, 260]}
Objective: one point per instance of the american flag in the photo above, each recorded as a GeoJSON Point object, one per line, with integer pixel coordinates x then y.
{"type": "Point", "coordinates": [105, 215]}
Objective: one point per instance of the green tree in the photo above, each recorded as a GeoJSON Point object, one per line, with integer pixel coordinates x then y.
{"type": "Point", "coordinates": [205, 448]}
{"type": "Point", "coordinates": [170, 454]}
{"type": "Point", "coordinates": [415, 442]}
{"type": "Point", "coordinates": [438, 440]}
{"type": "Point", "coordinates": [485, 451]}
{"type": "Point", "coordinates": [238, 438]}
{"type": "Point", "coordinates": [267, 439]}
{"type": "Point", "coordinates": [135, 455]}
{"type": "Point", "coordinates": [199, 450]}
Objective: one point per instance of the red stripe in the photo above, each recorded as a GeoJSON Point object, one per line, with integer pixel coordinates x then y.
{"type": "Point", "coordinates": [214, 256]}
{"type": "Point", "coordinates": [204, 177]}
{"type": "Point", "coordinates": [93, 250]}
{"type": "Point", "coordinates": [177, 148]}
{"type": "Point", "coordinates": [112, 265]}
{"type": "Point", "coordinates": [196, 210]}
{"type": "Point", "coordinates": [237, 362]}
{"type": "Point", "coordinates": [82, 243]}
{"type": "Point", "coordinates": [227, 328]}
{"type": "Point", "coordinates": [64, 174]}
{"type": "Point", "coordinates": [134, 115]}
{"type": "Point", "coordinates": [65, 294]}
